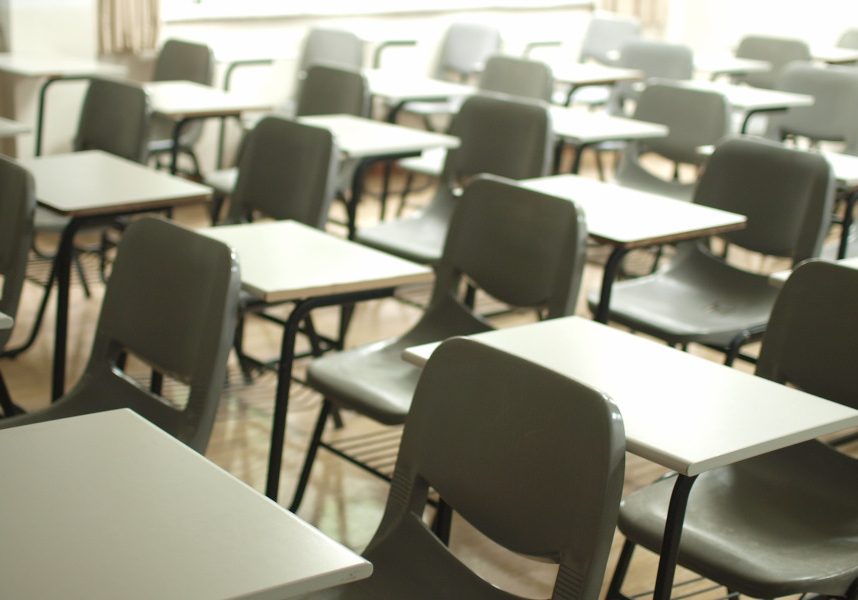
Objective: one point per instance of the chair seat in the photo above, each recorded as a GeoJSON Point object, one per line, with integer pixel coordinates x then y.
{"type": "Point", "coordinates": [634, 176]}
{"type": "Point", "coordinates": [698, 299]}
{"type": "Point", "coordinates": [429, 163]}
{"type": "Point", "coordinates": [222, 181]}
{"type": "Point", "coordinates": [374, 379]}
{"type": "Point", "coordinates": [419, 239]}
{"type": "Point", "coordinates": [48, 220]}
{"type": "Point", "coordinates": [763, 527]}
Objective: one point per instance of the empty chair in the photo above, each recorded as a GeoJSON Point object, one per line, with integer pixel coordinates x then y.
{"type": "Point", "coordinates": [17, 204]}
{"type": "Point", "coordinates": [332, 47]}
{"type": "Point", "coordinates": [179, 60]}
{"type": "Point", "coordinates": [832, 117]}
{"type": "Point", "coordinates": [171, 302]}
{"type": "Point", "coordinates": [779, 52]}
{"type": "Point", "coordinates": [522, 247]}
{"type": "Point", "coordinates": [786, 195]}
{"type": "Point", "coordinates": [554, 497]}
{"type": "Point", "coordinates": [694, 118]}
{"type": "Point", "coordinates": [499, 136]}
{"type": "Point", "coordinates": [606, 34]}
{"type": "Point", "coordinates": [784, 523]}
{"type": "Point", "coordinates": [325, 90]}
{"type": "Point", "coordinates": [657, 60]}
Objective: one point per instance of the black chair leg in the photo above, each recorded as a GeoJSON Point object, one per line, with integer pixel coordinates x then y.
{"type": "Point", "coordinates": [216, 206]}
{"type": "Point", "coordinates": [733, 349]}
{"type": "Point", "coordinates": [238, 346]}
{"type": "Point", "coordinates": [470, 296]}
{"type": "Point", "coordinates": [9, 408]}
{"type": "Point", "coordinates": [403, 201]}
{"type": "Point", "coordinates": [442, 522]}
{"type": "Point", "coordinates": [346, 312]}
{"type": "Point", "coordinates": [310, 458]}
{"type": "Point", "coordinates": [620, 572]}
{"type": "Point", "coordinates": [79, 268]}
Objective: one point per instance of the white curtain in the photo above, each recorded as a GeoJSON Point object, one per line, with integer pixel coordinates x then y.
{"type": "Point", "coordinates": [128, 26]}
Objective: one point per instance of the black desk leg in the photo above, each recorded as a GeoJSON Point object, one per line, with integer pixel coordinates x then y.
{"type": "Point", "coordinates": [357, 191]}
{"type": "Point", "coordinates": [672, 535]}
{"type": "Point", "coordinates": [174, 149]}
{"type": "Point", "coordinates": [63, 272]}
{"type": "Point", "coordinates": [579, 152]}
{"type": "Point", "coordinates": [843, 247]}
{"type": "Point", "coordinates": [612, 268]}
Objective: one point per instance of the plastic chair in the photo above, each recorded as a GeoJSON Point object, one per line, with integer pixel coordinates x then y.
{"type": "Point", "coordinates": [171, 301]}
{"type": "Point", "coordinates": [499, 136]}
{"type": "Point", "coordinates": [832, 117]}
{"type": "Point", "coordinates": [775, 50]}
{"type": "Point", "coordinates": [507, 75]}
{"type": "Point", "coordinates": [554, 497]}
{"type": "Point", "coordinates": [325, 90]}
{"type": "Point", "coordinates": [332, 47]}
{"type": "Point", "coordinates": [787, 197]}
{"type": "Point", "coordinates": [784, 523]}
{"type": "Point", "coordinates": [522, 247]}
{"type": "Point", "coordinates": [180, 61]}
{"type": "Point", "coordinates": [114, 118]}
{"type": "Point", "coordinates": [657, 61]}
{"type": "Point", "coordinates": [606, 34]}
{"type": "Point", "coordinates": [694, 118]}
{"type": "Point", "coordinates": [17, 205]}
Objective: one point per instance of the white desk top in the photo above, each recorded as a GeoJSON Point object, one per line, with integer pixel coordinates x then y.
{"type": "Point", "coordinates": [10, 128]}
{"type": "Point", "coordinates": [581, 74]}
{"type": "Point", "coordinates": [631, 218]}
{"type": "Point", "coordinates": [361, 138]}
{"type": "Point", "coordinates": [585, 127]}
{"type": "Point", "coordinates": [285, 260]}
{"type": "Point", "coordinates": [109, 506]}
{"type": "Point", "coordinates": [679, 410]}
{"type": "Point", "coordinates": [395, 87]}
{"type": "Point", "coordinates": [186, 99]}
{"type": "Point", "coordinates": [745, 97]}
{"type": "Point", "coordinates": [834, 55]}
{"type": "Point", "coordinates": [6, 322]}
{"type": "Point", "coordinates": [54, 67]}
{"type": "Point", "coordinates": [94, 182]}
{"type": "Point", "coordinates": [728, 64]}
{"type": "Point", "coordinates": [779, 278]}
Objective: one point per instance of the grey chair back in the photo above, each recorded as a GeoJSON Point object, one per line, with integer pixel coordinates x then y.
{"type": "Point", "coordinates": [286, 171]}
{"type": "Point", "coordinates": [775, 50]}
{"type": "Point", "coordinates": [501, 136]}
{"type": "Point", "coordinates": [605, 35]}
{"type": "Point", "coordinates": [17, 207]}
{"type": "Point", "coordinates": [522, 247]}
{"type": "Point", "coordinates": [833, 115]}
{"type": "Point", "coordinates": [330, 90]}
{"type": "Point", "coordinates": [334, 47]}
{"type": "Point", "coordinates": [812, 336]}
{"type": "Point", "coordinates": [694, 118]}
{"type": "Point", "coordinates": [114, 118]}
{"type": "Point", "coordinates": [465, 49]}
{"type": "Point", "coordinates": [544, 480]}
{"type": "Point", "coordinates": [179, 60]}
{"type": "Point", "coordinates": [786, 194]}
{"type": "Point", "coordinates": [849, 39]}
{"type": "Point", "coordinates": [171, 301]}
{"type": "Point", "coordinates": [517, 77]}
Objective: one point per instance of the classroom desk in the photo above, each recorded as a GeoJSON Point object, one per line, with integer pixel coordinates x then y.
{"type": "Point", "coordinates": [681, 411]}
{"type": "Point", "coordinates": [332, 272]}
{"type": "Point", "coordinates": [584, 129]}
{"type": "Point", "coordinates": [185, 101]}
{"type": "Point", "coordinates": [625, 219]}
{"type": "Point", "coordinates": [107, 505]}
{"type": "Point", "coordinates": [834, 55]}
{"type": "Point", "coordinates": [52, 69]}
{"type": "Point", "coordinates": [751, 100]}
{"type": "Point", "coordinates": [95, 187]}
{"type": "Point", "coordinates": [398, 89]}
{"type": "Point", "coordinates": [579, 75]}
{"type": "Point", "coordinates": [369, 142]}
